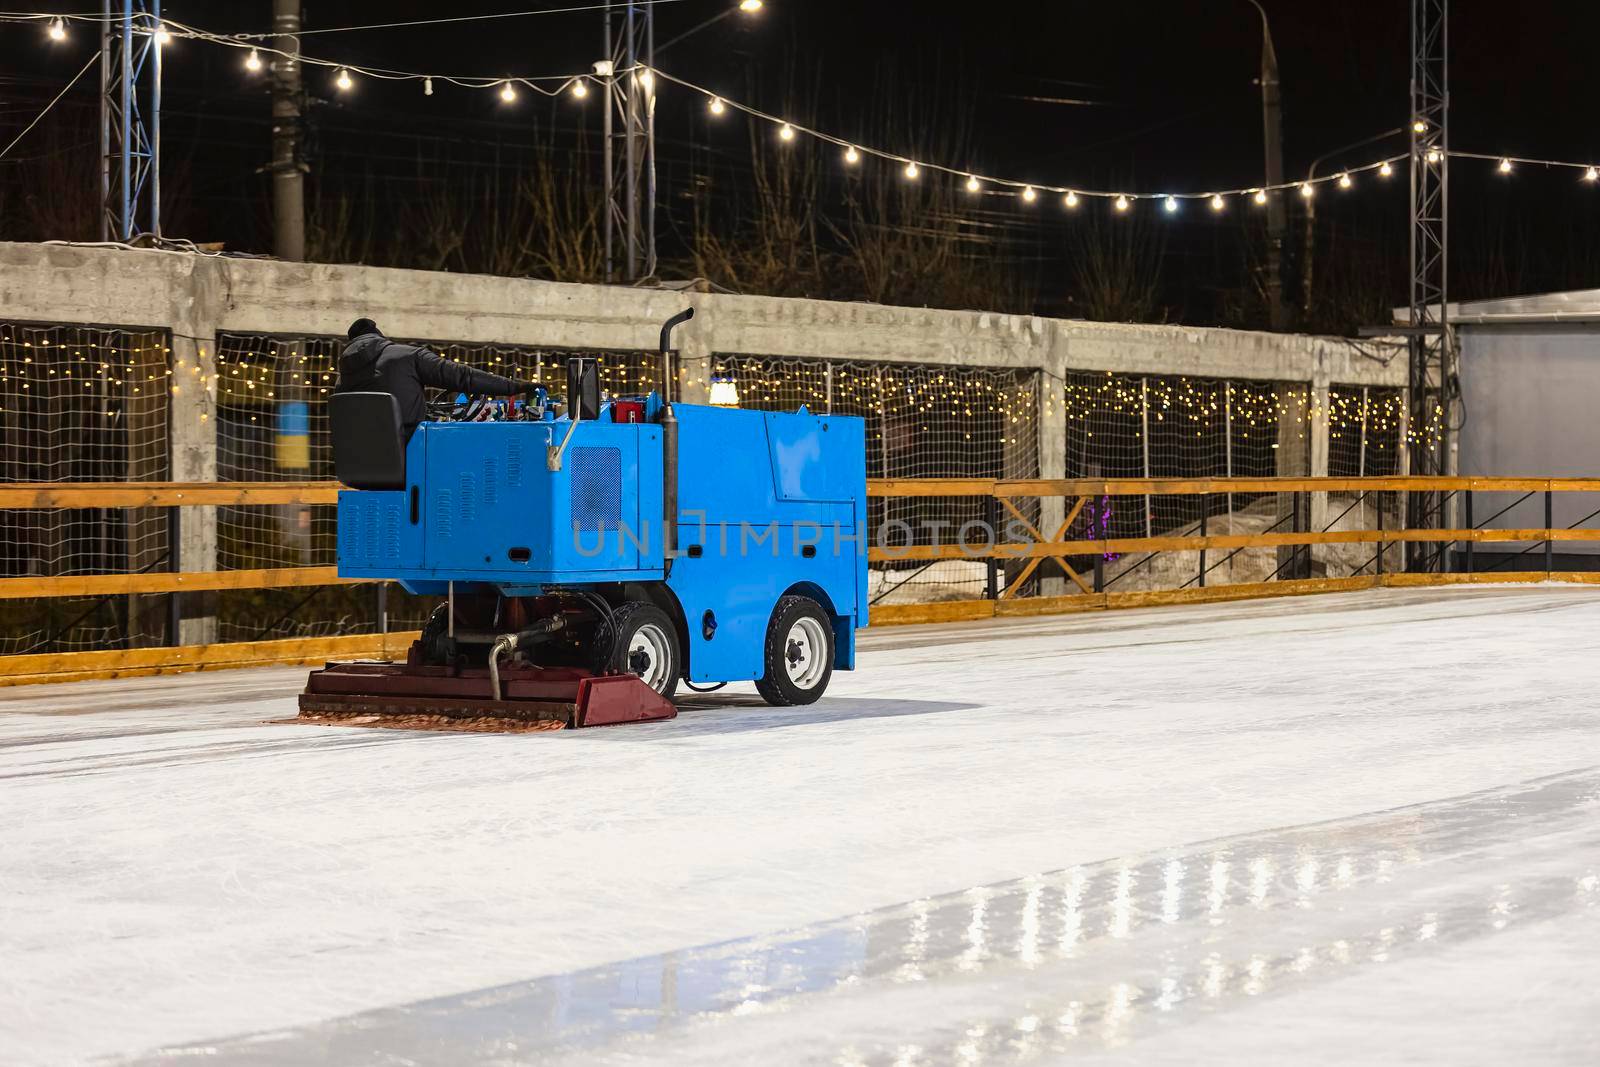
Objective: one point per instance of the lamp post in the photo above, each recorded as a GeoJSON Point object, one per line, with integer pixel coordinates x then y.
{"type": "Point", "coordinates": [1311, 211]}
{"type": "Point", "coordinates": [1277, 215]}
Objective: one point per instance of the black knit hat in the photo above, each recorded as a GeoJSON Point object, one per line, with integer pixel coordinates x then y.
{"type": "Point", "coordinates": [361, 326]}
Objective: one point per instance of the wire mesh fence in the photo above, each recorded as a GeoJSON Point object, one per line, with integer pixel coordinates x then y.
{"type": "Point", "coordinates": [272, 425]}
{"type": "Point", "coordinates": [1122, 426]}
{"type": "Point", "coordinates": [923, 421]}
{"type": "Point", "coordinates": [1366, 429]}
{"type": "Point", "coordinates": [82, 404]}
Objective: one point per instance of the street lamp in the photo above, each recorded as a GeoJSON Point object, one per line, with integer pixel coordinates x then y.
{"type": "Point", "coordinates": [1311, 209]}
{"type": "Point", "coordinates": [1277, 215]}
{"type": "Point", "coordinates": [748, 7]}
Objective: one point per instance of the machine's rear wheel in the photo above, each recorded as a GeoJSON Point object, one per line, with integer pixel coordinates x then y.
{"type": "Point", "coordinates": [645, 642]}
{"type": "Point", "coordinates": [799, 653]}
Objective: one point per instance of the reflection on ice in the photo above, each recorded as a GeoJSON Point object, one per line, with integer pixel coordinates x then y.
{"type": "Point", "coordinates": [1082, 944]}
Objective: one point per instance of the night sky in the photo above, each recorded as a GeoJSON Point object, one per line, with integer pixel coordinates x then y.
{"type": "Point", "coordinates": [1148, 96]}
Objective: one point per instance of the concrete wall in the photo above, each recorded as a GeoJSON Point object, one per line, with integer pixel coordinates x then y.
{"type": "Point", "coordinates": [195, 297]}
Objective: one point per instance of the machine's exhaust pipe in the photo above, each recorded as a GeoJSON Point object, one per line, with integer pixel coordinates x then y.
{"type": "Point", "coordinates": [669, 444]}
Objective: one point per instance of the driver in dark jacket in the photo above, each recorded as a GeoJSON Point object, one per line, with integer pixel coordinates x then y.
{"type": "Point", "coordinates": [374, 364]}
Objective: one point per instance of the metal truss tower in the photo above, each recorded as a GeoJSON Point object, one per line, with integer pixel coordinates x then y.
{"type": "Point", "coordinates": [1433, 386]}
{"type": "Point", "coordinates": [630, 143]}
{"type": "Point", "coordinates": [130, 119]}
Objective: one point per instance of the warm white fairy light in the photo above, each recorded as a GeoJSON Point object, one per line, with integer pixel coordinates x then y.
{"type": "Point", "coordinates": [1386, 170]}
{"type": "Point", "coordinates": [1419, 127]}
{"type": "Point", "coordinates": [972, 184]}
{"type": "Point", "coordinates": [912, 171]}
{"type": "Point", "coordinates": [1217, 203]}
{"type": "Point", "coordinates": [163, 38]}
{"type": "Point", "coordinates": [647, 80]}
{"type": "Point", "coordinates": [1071, 199]}
{"type": "Point", "coordinates": [1505, 166]}
{"type": "Point", "coordinates": [787, 133]}
{"type": "Point", "coordinates": [1028, 194]}
{"type": "Point", "coordinates": [750, 6]}
{"type": "Point", "coordinates": [1171, 204]}
{"type": "Point", "coordinates": [1261, 196]}
{"type": "Point", "coordinates": [579, 89]}
{"type": "Point", "coordinates": [427, 86]}
{"type": "Point", "coordinates": [1433, 155]}
{"type": "Point", "coordinates": [717, 107]}
{"type": "Point", "coordinates": [1307, 190]}
{"type": "Point", "coordinates": [508, 92]}
{"type": "Point", "coordinates": [1344, 181]}
{"type": "Point", "coordinates": [252, 62]}
{"type": "Point", "coordinates": [1590, 174]}
{"type": "Point", "coordinates": [343, 80]}
{"type": "Point", "coordinates": [58, 29]}
{"type": "Point", "coordinates": [851, 156]}
{"type": "Point", "coordinates": [1122, 203]}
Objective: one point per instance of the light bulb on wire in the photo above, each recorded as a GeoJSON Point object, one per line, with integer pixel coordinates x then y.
{"type": "Point", "coordinates": [1386, 170]}
{"type": "Point", "coordinates": [716, 106]}
{"type": "Point", "coordinates": [252, 62]}
{"type": "Point", "coordinates": [508, 92]}
{"type": "Point", "coordinates": [1028, 194]}
{"type": "Point", "coordinates": [1217, 203]}
{"type": "Point", "coordinates": [579, 88]}
{"type": "Point", "coordinates": [1505, 166]}
{"type": "Point", "coordinates": [1419, 127]}
{"type": "Point", "coordinates": [427, 86]}
{"type": "Point", "coordinates": [162, 37]}
{"type": "Point", "coordinates": [750, 7]}
{"type": "Point", "coordinates": [58, 29]}
{"type": "Point", "coordinates": [1433, 155]}
{"type": "Point", "coordinates": [1307, 190]}
{"type": "Point", "coordinates": [343, 80]}
{"type": "Point", "coordinates": [787, 133]}
{"type": "Point", "coordinates": [851, 156]}
{"type": "Point", "coordinates": [1591, 174]}
{"type": "Point", "coordinates": [1344, 181]}
{"type": "Point", "coordinates": [1171, 204]}
{"type": "Point", "coordinates": [911, 171]}
{"type": "Point", "coordinates": [972, 184]}
{"type": "Point", "coordinates": [1122, 203]}
{"type": "Point", "coordinates": [1261, 196]}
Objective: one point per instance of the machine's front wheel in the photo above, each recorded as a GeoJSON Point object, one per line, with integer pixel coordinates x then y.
{"type": "Point", "coordinates": [799, 653]}
{"type": "Point", "coordinates": [645, 642]}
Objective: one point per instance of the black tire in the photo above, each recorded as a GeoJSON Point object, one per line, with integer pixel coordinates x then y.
{"type": "Point", "coordinates": [794, 674]}
{"type": "Point", "coordinates": [641, 635]}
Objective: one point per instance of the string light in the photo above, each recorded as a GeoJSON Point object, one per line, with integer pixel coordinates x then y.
{"type": "Point", "coordinates": [1344, 181]}
{"type": "Point", "coordinates": [787, 133]}
{"type": "Point", "coordinates": [508, 92]}
{"type": "Point", "coordinates": [1261, 196]}
{"type": "Point", "coordinates": [1028, 194]}
{"type": "Point", "coordinates": [58, 29]}
{"type": "Point", "coordinates": [343, 80]}
{"type": "Point", "coordinates": [427, 86]}
{"type": "Point", "coordinates": [912, 171]}
{"type": "Point", "coordinates": [162, 37]}
{"type": "Point", "coordinates": [1386, 170]}
{"type": "Point", "coordinates": [750, 6]}
{"type": "Point", "coordinates": [1419, 127]}
{"type": "Point", "coordinates": [1217, 202]}
{"type": "Point", "coordinates": [1122, 203]}
{"type": "Point", "coordinates": [1071, 199]}
{"type": "Point", "coordinates": [579, 89]}
{"type": "Point", "coordinates": [1433, 155]}
{"type": "Point", "coordinates": [1590, 174]}
{"type": "Point", "coordinates": [1171, 205]}
{"type": "Point", "coordinates": [717, 107]}
{"type": "Point", "coordinates": [647, 80]}
{"type": "Point", "coordinates": [972, 184]}
{"type": "Point", "coordinates": [1505, 166]}
{"type": "Point", "coordinates": [252, 62]}
{"type": "Point", "coordinates": [1306, 190]}
{"type": "Point", "coordinates": [851, 156]}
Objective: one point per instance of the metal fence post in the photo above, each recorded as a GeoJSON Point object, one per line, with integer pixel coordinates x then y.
{"type": "Point", "coordinates": [1379, 498]}
{"type": "Point", "coordinates": [1099, 572]}
{"type": "Point", "coordinates": [174, 598]}
{"type": "Point", "coordinates": [1549, 525]}
{"type": "Point", "coordinates": [1204, 500]}
{"type": "Point", "coordinates": [1471, 542]}
{"type": "Point", "coordinates": [991, 583]}
{"type": "Point", "coordinates": [383, 607]}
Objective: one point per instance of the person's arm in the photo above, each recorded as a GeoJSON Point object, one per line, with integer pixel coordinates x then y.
{"type": "Point", "coordinates": [458, 377]}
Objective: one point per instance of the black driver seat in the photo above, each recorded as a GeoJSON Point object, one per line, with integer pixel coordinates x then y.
{"type": "Point", "coordinates": [369, 446]}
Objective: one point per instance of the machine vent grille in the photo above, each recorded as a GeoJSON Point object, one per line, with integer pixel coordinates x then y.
{"type": "Point", "coordinates": [490, 483]}
{"type": "Point", "coordinates": [371, 550]}
{"type": "Point", "coordinates": [466, 500]}
{"type": "Point", "coordinates": [596, 488]}
{"type": "Point", "coordinates": [440, 514]}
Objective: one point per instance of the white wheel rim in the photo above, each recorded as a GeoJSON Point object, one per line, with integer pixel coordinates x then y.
{"type": "Point", "coordinates": [650, 655]}
{"type": "Point", "coordinates": [805, 653]}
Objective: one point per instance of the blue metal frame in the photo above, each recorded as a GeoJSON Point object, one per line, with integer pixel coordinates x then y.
{"type": "Point", "coordinates": [130, 119]}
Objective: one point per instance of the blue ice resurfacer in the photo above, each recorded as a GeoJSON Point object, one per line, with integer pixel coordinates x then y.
{"type": "Point", "coordinates": [591, 560]}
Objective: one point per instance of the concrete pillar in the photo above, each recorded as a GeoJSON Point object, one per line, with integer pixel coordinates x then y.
{"type": "Point", "coordinates": [1318, 428]}
{"type": "Point", "coordinates": [1293, 458]}
{"type": "Point", "coordinates": [196, 313]}
{"type": "Point", "coordinates": [1053, 443]}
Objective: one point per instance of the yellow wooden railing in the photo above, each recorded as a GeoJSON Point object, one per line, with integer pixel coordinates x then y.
{"type": "Point", "coordinates": [1078, 492]}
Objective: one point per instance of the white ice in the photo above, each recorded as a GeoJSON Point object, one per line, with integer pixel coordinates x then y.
{"type": "Point", "coordinates": [1355, 828]}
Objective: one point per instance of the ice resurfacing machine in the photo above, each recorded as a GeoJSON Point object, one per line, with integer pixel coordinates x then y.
{"type": "Point", "coordinates": [591, 560]}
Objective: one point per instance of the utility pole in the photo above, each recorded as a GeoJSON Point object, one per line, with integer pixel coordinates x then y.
{"type": "Point", "coordinates": [631, 151]}
{"type": "Point", "coordinates": [288, 171]}
{"type": "Point", "coordinates": [1277, 212]}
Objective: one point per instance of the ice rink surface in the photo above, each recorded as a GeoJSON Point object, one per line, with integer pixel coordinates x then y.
{"type": "Point", "coordinates": [1345, 829]}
